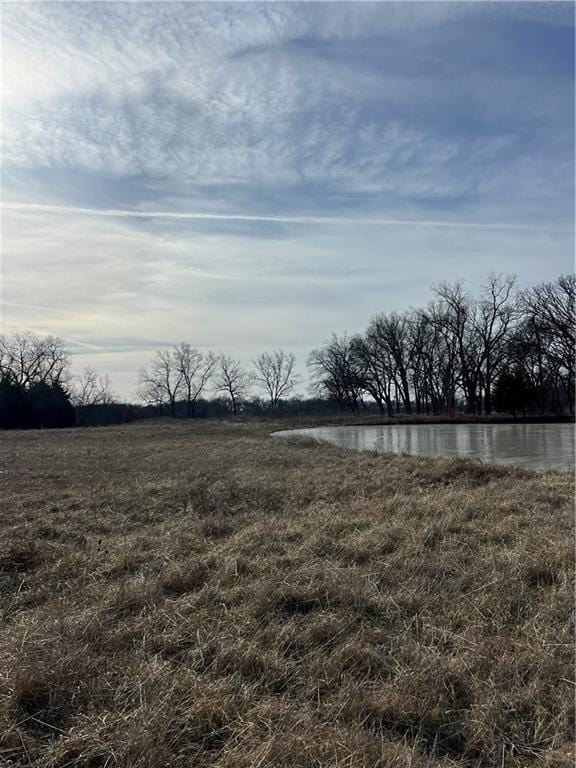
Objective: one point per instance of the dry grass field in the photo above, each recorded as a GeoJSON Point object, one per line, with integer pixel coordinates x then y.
{"type": "Point", "coordinates": [200, 594]}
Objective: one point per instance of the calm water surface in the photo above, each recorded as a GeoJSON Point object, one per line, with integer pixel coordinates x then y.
{"type": "Point", "coordinates": [533, 446]}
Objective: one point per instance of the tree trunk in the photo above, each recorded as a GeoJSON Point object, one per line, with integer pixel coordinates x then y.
{"type": "Point", "coordinates": [406, 395]}
{"type": "Point", "coordinates": [488, 389]}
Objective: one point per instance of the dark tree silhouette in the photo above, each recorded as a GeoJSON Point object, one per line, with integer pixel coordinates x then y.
{"type": "Point", "coordinates": [335, 372]}
{"type": "Point", "coordinates": [50, 406]}
{"type": "Point", "coordinates": [30, 359]}
{"type": "Point", "coordinates": [513, 392]}
{"type": "Point", "coordinates": [550, 309]}
{"type": "Point", "coordinates": [15, 411]}
{"type": "Point", "coordinates": [451, 353]}
{"type": "Point", "coordinates": [33, 376]}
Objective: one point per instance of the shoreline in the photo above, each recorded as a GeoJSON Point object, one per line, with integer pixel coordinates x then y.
{"type": "Point", "coordinates": [355, 420]}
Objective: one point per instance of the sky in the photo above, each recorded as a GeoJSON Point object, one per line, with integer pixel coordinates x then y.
{"type": "Point", "coordinates": [252, 176]}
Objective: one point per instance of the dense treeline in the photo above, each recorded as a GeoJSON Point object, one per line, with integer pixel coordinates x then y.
{"type": "Point", "coordinates": [33, 379]}
{"type": "Point", "coordinates": [505, 350]}
{"type": "Point", "coordinates": [38, 389]}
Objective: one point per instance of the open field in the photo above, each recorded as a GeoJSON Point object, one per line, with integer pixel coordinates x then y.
{"type": "Point", "coordinates": [199, 594]}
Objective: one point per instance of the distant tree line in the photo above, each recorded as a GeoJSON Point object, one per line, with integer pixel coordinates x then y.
{"type": "Point", "coordinates": [505, 350]}
{"type": "Point", "coordinates": [38, 388]}
{"type": "Point", "coordinates": [184, 374]}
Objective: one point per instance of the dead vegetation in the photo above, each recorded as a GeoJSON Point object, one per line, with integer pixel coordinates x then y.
{"type": "Point", "coordinates": [204, 595]}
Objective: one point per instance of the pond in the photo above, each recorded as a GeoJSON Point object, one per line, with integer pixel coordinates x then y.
{"type": "Point", "coordinates": [532, 446]}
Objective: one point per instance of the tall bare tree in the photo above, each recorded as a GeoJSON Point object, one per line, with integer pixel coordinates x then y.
{"type": "Point", "coordinates": [435, 360]}
{"type": "Point", "coordinates": [335, 371]}
{"type": "Point", "coordinates": [275, 375]}
{"type": "Point", "coordinates": [459, 316]}
{"type": "Point", "coordinates": [390, 331]}
{"type": "Point", "coordinates": [550, 308]}
{"type": "Point", "coordinates": [160, 383]}
{"type": "Point", "coordinates": [194, 370]}
{"type": "Point", "coordinates": [375, 367]}
{"type": "Point", "coordinates": [497, 310]}
{"type": "Point", "coordinates": [232, 379]}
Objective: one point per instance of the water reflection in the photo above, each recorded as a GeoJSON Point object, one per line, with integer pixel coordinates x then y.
{"type": "Point", "coordinates": [533, 446]}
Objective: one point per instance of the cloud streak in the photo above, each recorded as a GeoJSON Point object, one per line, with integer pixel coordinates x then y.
{"type": "Point", "coordinates": [189, 216]}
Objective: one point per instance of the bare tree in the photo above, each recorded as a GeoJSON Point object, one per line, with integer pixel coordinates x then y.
{"type": "Point", "coordinates": [335, 370]}
{"type": "Point", "coordinates": [390, 332]}
{"type": "Point", "coordinates": [434, 360]}
{"type": "Point", "coordinates": [194, 370]}
{"type": "Point", "coordinates": [275, 375]}
{"type": "Point", "coordinates": [550, 308]}
{"type": "Point", "coordinates": [161, 383]}
{"type": "Point", "coordinates": [232, 379]}
{"type": "Point", "coordinates": [27, 359]}
{"type": "Point", "coordinates": [375, 369]}
{"type": "Point", "coordinates": [90, 388]}
{"type": "Point", "coordinates": [458, 311]}
{"type": "Point", "coordinates": [497, 309]}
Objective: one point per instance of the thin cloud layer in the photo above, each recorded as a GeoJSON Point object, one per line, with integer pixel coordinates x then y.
{"type": "Point", "coordinates": [276, 94]}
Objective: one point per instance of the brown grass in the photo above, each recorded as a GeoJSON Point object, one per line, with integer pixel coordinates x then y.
{"type": "Point", "coordinates": [205, 595]}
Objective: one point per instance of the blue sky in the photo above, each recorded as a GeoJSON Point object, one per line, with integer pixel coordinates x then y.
{"type": "Point", "coordinates": [257, 175]}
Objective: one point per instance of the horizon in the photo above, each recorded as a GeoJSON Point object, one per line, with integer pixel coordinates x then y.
{"type": "Point", "coordinates": [247, 178]}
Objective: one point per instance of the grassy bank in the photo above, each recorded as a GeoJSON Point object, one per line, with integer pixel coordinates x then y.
{"type": "Point", "coordinates": [205, 595]}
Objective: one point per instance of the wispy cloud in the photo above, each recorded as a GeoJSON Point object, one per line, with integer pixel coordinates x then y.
{"type": "Point", "coordinates": [334, 221]}
{"type": "Point", "coordinates": [215, 93]}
